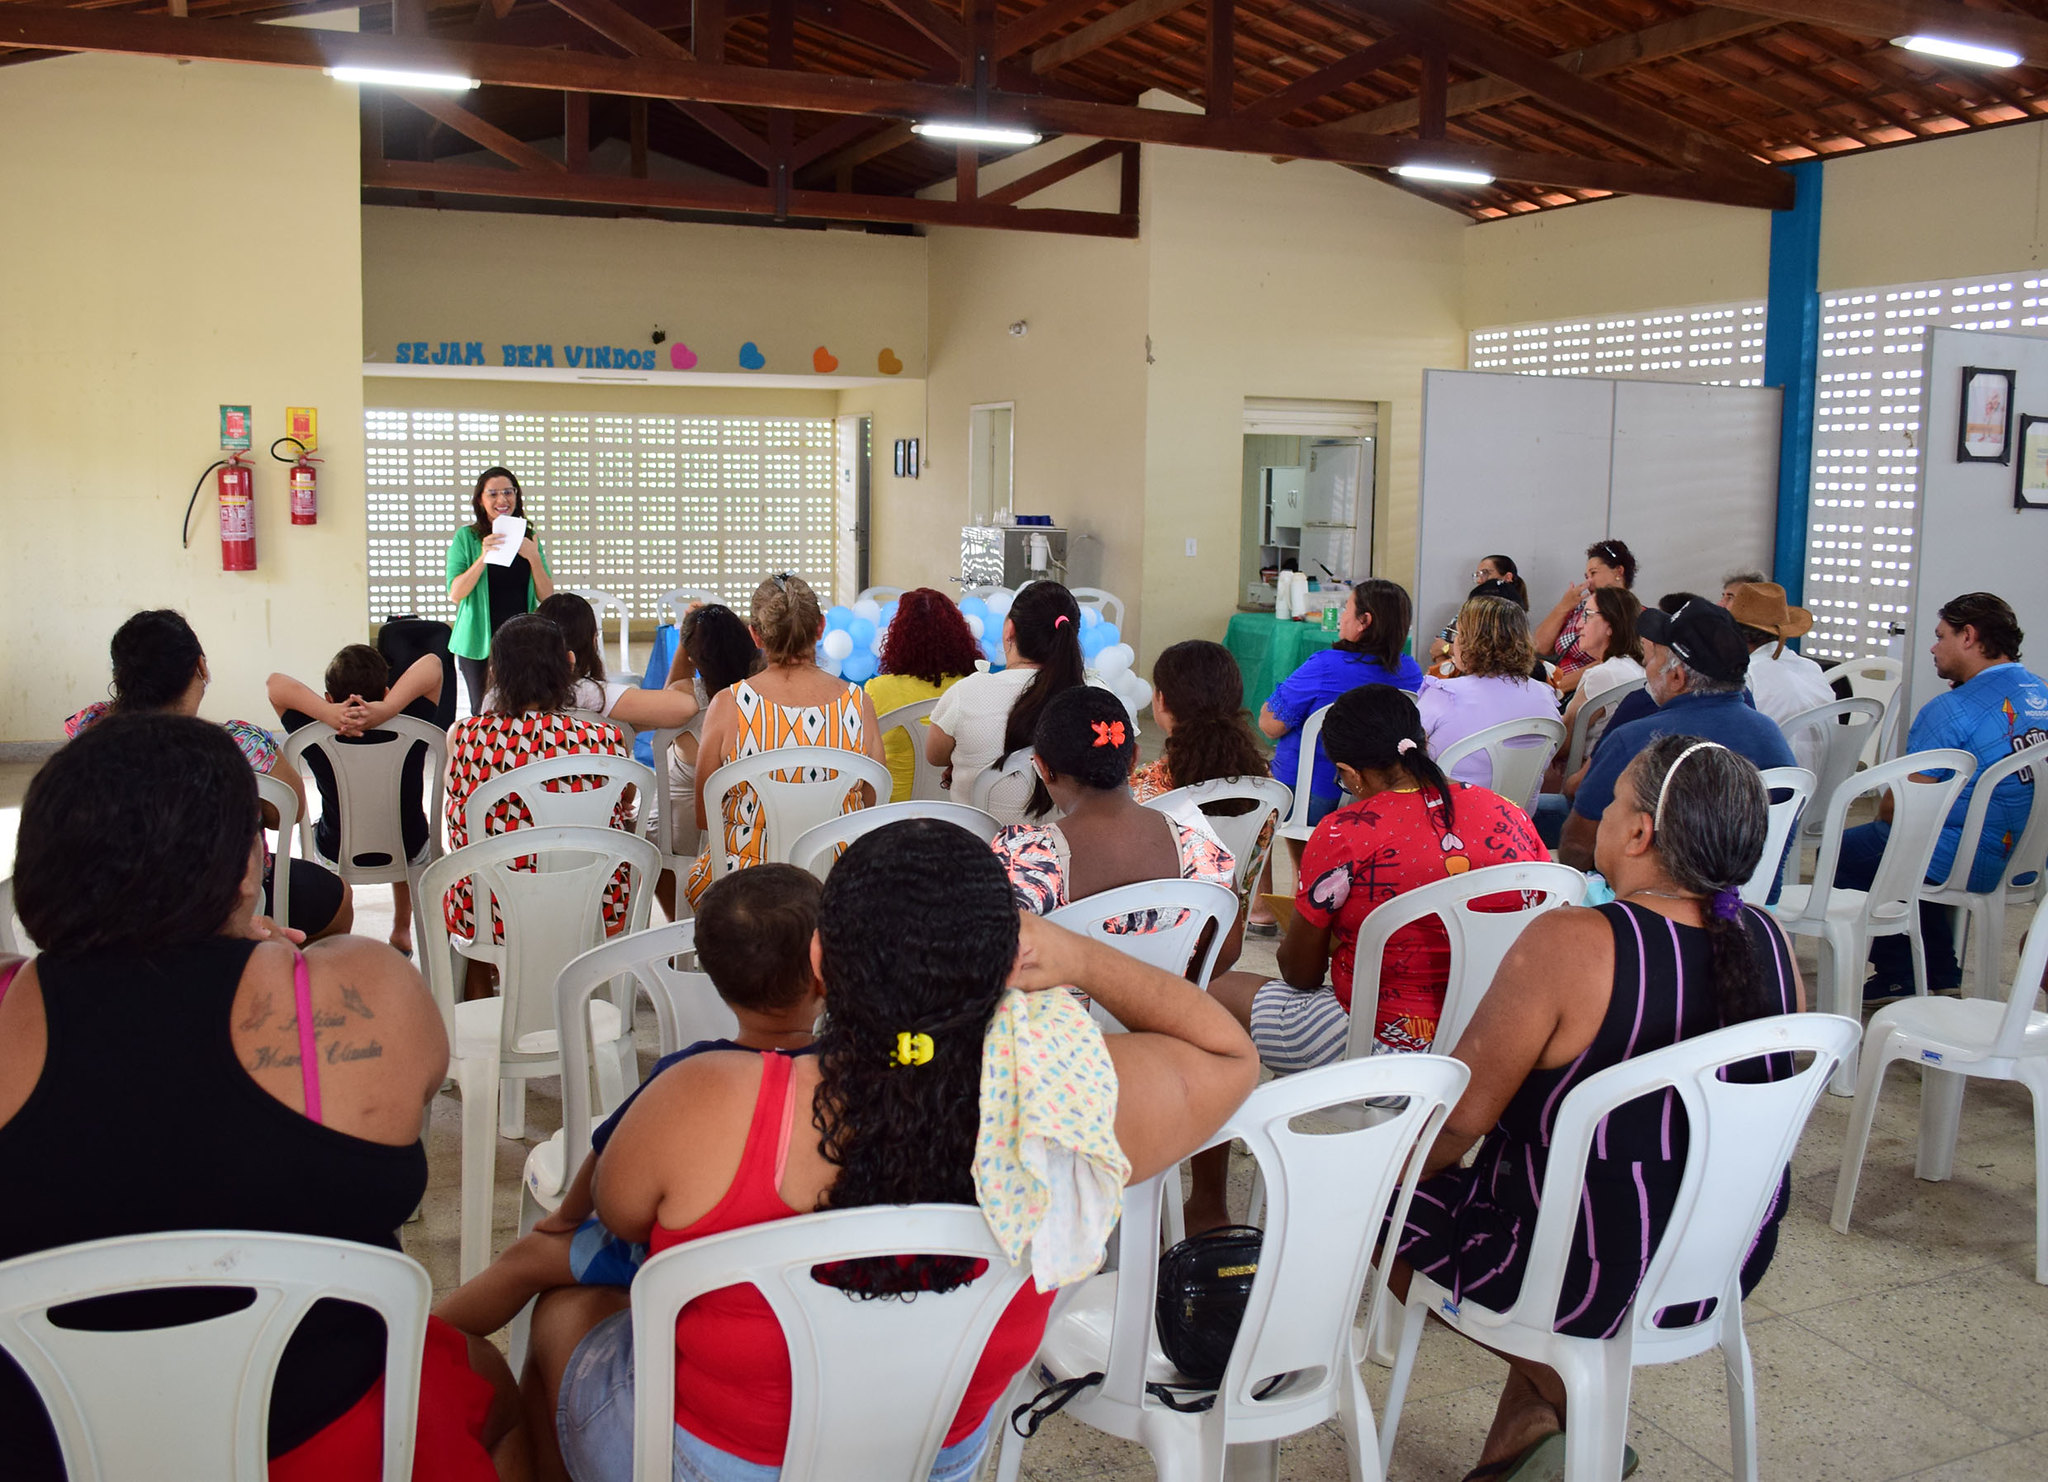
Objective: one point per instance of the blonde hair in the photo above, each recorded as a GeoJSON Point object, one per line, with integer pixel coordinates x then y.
{"type": "Point", "coordinates": [786, 615]}
{"type": "Point", "coordinates": [1493, 638]}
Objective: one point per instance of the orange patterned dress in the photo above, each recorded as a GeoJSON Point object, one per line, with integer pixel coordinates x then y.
{"type": "Point", "coordinates": [767, 726]}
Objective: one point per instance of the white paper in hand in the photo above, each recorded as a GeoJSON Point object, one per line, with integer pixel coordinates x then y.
{"type": "Point", "coordinates": [513, 528]}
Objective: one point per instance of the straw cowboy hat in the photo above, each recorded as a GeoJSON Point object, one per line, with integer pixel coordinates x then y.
{"type": "Point", "coordinates": [1761, 605]}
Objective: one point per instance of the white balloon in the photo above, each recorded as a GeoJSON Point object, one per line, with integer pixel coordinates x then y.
{"type": "Point", "coordinates": [1114, 660]}
{"type": "Point", "coordinates": [999, 602]}
{"type": "Point", "coordinates": [1140, 695]}
{"type": "Point", "coordinates": [831, 665]}
{"type": "Point", "coordinates": [868, 608]}
{"type": "Point", "coordinates": [976, 626]}
{"type": "Point", "coordinates": [1090, 617]}
{"type": "Point", "coordinates": [838, 645]}
{"type": "Point", "coordinates": [875, 647]}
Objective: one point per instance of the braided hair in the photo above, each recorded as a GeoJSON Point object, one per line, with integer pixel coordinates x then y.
{"type": "Point", "coordinates": [1367, 729]}
{"type": "Point", "coordinates": [1710, 813]}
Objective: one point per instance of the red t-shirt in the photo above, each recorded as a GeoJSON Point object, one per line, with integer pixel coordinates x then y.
{"type": "Point", "coordinates": [1363, 855]}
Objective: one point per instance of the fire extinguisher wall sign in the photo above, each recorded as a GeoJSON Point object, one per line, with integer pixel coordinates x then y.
{"type": "Point", "coordinates": [237, 515]}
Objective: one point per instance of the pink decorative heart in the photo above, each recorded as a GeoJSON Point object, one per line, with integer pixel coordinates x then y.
{"type": "Point", "coordinates": [681, 356]}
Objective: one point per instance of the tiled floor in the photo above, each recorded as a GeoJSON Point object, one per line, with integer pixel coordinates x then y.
{"type": "Point", "coordinates": [1912, 1347]}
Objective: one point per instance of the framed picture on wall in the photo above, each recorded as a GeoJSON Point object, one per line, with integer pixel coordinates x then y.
{"type": "Point", "coordinates": [1984, 426]}
{"type": "Point", "coordinates": [2030, 489]}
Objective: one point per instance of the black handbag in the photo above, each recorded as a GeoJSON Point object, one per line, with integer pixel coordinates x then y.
{"type": "Point", "coordinates": [1204, 1283]}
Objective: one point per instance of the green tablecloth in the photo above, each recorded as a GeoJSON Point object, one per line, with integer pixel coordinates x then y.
{"type": "Point", "coordinates": [1268, 650]}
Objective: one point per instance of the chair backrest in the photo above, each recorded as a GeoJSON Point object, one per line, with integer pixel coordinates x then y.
{"type": "Point", "coordinates": [1604, 703]}
{"type": "Point", "coordinates": [607, 777]}
{"type": "Point", "coordinates": [1517, 751]}
{"type": "Point", "coordinates": [1297, 825]}
{"type": "Point", "coordinates": [278, 793]}
{"type": "Point", "coordinates": [878, 594]}
{"type": "Point", "coordinates": [1171, 916]}
{"type": "Point", "coordinates": [194, 1400]}
{"type": "Point", "coordinates": [2030, 850]}
{"type": "Point", "coordinates": [795, 789]}
{"type": "Point", "coordinates": [874, 1385]}
{"type": "Point", "coordinates": [1918, 811]}
{"type": "Point", "coordinates": [603, 605]}
{"type": "Point", "coordinates": [1108, 604]}
{"type": "Point", "coordinates": [1872, 679]}
{"type": "Point", "coordinates": [627, 731]}
{"type": "Point", "coordinates": [1740, 1135]}
{"type": "Point", "coordinates": [668, 801]}
{"type": "Point", "coordinates": [686, 1009]}
{"type": "Point", "coordinates": [550, 914]}
{"type": "Point", "coordinates": [670, 606]}
{"type": "Point", "coordinates": [1479, 939]}
{"type": "Point", "coordinates": [1327, 1194]}
{"type": "Point", "coordinates": [817, 848]}
{"type": "Point", "coordinates": [1788, 790]}
{"type": "Point", "coordinates": [1016, 764]}
{"type": "Point", "coordinates": [369, 774]}
{"type": "Point", "coordinates": [1270, 798]}
{"type": "Point", "coordinates": [2017, 1027]}
{"type": "Point", "coordinates": [911, 719]}
{"type": "Point", "coordinates": [1844, 725]}
{"type": "Point", "coordinates": [10, 939]}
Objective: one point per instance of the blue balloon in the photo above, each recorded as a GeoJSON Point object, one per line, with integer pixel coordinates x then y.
{"type": "Point", "coordinates": [839, 617]}
{"type": "Point", "coordinates": [859, 666]}
{"type": "Point", "coordinates": [888, 613]}
{"type": "Point", "coordinates": [974, 607]}
{"type": "Point", "coordinates": [1107, 632]}
{"type": "Point", "coordinates": [862, 632]}
{"type": "Point", "coordinates": [993, 652]}
{"type": "Point", "coordinates": [1091, 642]}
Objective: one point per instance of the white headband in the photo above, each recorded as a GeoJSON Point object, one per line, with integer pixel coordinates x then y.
{"type": "Point", "coordinates": [1657, 818]}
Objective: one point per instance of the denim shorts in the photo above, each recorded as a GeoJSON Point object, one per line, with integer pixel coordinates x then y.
{"type": "Point", "coordinates": [599, 1258]}
{"type": "Point", "coordinates": [594, 1421]}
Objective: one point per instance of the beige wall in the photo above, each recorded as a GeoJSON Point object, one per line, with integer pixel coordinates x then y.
{"type": "Point", "coordinates": [575, 396]}
{"type": "Point", "coordinates": [904, 550]}
{"type": "Point", "coordinates": [1301, 281]}
{"type": "Point", "coordinates": [149, 278]}
{"type": "Point", "coordinates": [509, 278]}
{"type": "Point", "coordinates": [1941, 208]}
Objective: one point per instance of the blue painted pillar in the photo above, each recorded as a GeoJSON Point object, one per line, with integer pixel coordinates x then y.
{"type": "Point", "coordinates": [1791, 358]}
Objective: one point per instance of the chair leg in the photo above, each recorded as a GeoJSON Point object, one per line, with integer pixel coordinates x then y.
{"type": "Point", "coordinates": [1354, 1415]}
{"type": "Point", "coordinates": [1741, 1391]}
{"type": "Point", "coordinates": [1258, 1461]}
{"type": "Point", "coordinates": [1841, 966]}
{"type": "Point", "coordinates": [475, 1085]}
{"type": "Point", "coordinates": [1919, 953]}
{"type": "Point", "coordinates": [1941, 1117]}
{"type": "Point", "coordinates": [512, 1108]}
{"type": "Point", "coordinates": [1869, 1085]}
{"type": "Point", "coordinates": [1596, 1397]}
{"type": "Point", "coordinates": [2035, 1074]}
{"type": "Point", "coordinates": [1414, 1316]}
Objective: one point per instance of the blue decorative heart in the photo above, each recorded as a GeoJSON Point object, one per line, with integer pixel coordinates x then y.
{"type": "Point", "coordinates": [751, 357]}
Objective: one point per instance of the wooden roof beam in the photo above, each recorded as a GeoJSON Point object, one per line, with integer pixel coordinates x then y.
{"type": "Point", "coordinates": [237, 41]}
{"type": "Point", "coordinates": [1098, 34]}
{"type": "Point", "coordinates": [634, 36]}
{"type": "Point", "coordinates": [2024, 34]}
{"type": "Point", "coordinates": [932, 22]}
{"type": "Point", "coordinates": [1052, 174]}
{"type": "Point", "coordinates": [1654, 43]}
{"type": "Point", "coordinates": [1040, 23]}
{"type": "Point", "coordinates": [1326, 80]}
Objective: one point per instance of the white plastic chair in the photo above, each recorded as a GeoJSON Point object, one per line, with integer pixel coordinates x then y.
{"type": "Point", "coordinates": [986, 591]}
{"type": "Point", "coordinates": [670, 606]}
{"type": "Point", "coordinates": [1108, 604]}
{"type": "Point", "coordinates": [874, 1385]}
{"type": "Point", "coordinates": [1796, 783]}
{"type": "Point", "coordinates": [1296, 826]}
{"type": "Point", "coordinates": [667, 803]}
{"type": "Point", "coordinates": [1605, 703]}
{"type": "Point", "coordinates": [1182, 910]}
{"type": "Point", "coordinates": [1741, 1136]}
{"type": "Point", "coordinates": [818, 847]}
{"type": "Point", "coordinates": [1846, 728]}
{"type": "Point", "coordinates": [278, 793]}
{"type": "Point", "coordinates": [1479, 940]}
{"type": "Point", "coordinates": [1330, 1192]}
{"type": "Point", "coordinates": [912, 719]}
{"type": "Point", "coordinates": [626, 731]}
{"type": "Point", "coordinates": [1518, 752]}
{"type": "Point", "coordinates": [1873, 679]}
{"type": "Point", "coordinates": [882, 595]}
{"type": "Point", "coordinates": [1270, 798]}
{"type": "Point", "coordinates": [813, 791]}
{"type": "Point", "coordinates": [368, 784]}
{"type": "Point", "coordinates": [1952, 1040]}
{"type": "Point", "coordinates": [1843, 921]}
{"type": "Point", "coordinates": [550, 915]}
{"type": "Point", "coordinates": [10, 938]}
{"type": "Point", "coordinates": [1983, 912]}
{"type": "Point", "coordinates": [1016, 764]}
{"type": "Point", "coordinates": [591, 807]}
{"type": "Point", "coordinates": [194, 1400]}
{"type": "Point", "coordinates": [603, 605]}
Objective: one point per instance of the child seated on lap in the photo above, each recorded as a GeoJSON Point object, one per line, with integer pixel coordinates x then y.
{"type": "Point", "coordinates": [754, 933]}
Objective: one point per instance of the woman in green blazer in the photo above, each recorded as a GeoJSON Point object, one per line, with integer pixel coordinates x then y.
{"type": "Point", "coordinates": [486, 597]}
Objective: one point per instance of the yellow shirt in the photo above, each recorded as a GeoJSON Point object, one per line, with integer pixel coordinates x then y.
{"type": "Point", "coordinates": [887, 692]}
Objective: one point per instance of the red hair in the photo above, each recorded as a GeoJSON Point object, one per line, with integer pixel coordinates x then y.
{"type": "Point", "coordinates": [929, 639]}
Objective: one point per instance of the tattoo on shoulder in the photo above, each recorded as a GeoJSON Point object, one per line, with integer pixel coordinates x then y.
{"type": "Point", "coordinates": [270, 1057]}
{"type": "Point", "coordinates": [353, 1001]}
{"type": "Point", "coordinates": [340, 1052]}
{"type": "Point", "coordinates": [259, 1013]}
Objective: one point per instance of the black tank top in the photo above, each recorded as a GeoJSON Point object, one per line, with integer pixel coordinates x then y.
{"type": "Point", "coordinates": [144, 1120]}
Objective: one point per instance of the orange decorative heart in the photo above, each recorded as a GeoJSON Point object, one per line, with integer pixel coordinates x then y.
{"type": "Point", "coordinates": [888, 364]}
{"type": "Point", "coordinates": [823, 361]}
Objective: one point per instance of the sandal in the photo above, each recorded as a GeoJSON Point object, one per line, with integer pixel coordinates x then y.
{"type": "Point", "coordinates": [1514, 1469]}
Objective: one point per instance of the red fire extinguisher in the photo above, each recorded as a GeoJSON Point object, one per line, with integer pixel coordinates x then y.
{"type": "Point", "coordinates": [304, 483]}
{"type": "Point", "coordinates": [235, 491]}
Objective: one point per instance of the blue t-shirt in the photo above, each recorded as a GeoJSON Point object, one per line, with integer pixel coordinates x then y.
{"type": "Point", "coordinates": [1729, 719]}
{"type": "Point", "coordinates": [2003, 710]}
{"type": "Point", "coordinates": [602, 1134]}
{"type": "Point", "coordinates": [1322, 677]}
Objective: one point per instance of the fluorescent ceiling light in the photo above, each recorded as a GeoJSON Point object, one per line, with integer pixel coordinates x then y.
{"type": "Point", "coordinates": [1444, 173]}
{"type": "Point", "coordinates": [1959, 51]}
{"type": "Point", "coordinates": [969, 133]}
{"type": "Point", "coordinates": [446, 82]}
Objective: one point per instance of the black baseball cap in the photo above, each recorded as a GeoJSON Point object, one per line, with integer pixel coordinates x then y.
{"type": "Point", "coordinates": [1703, 635]}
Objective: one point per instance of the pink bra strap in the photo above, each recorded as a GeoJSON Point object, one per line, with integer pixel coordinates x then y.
{"type": "Point", "coordinates": [7, 975]}
{"type": "Point", "coordinates": [309, 1057]}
